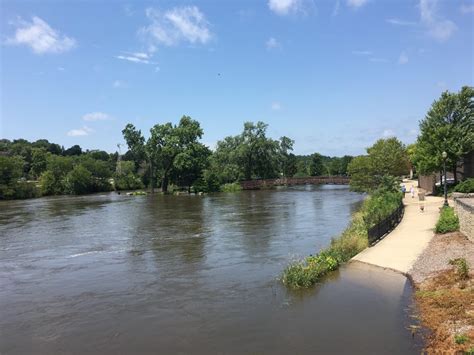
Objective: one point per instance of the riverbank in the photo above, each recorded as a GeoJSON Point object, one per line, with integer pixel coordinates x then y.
{"type": "Point", "coordinates": [444, 293]}
{"type": "Point", "coordinates": [444, 298]}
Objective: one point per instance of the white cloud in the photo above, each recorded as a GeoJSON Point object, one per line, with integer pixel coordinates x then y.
{"type": "Point", "coordinates": [378, 60]}
{"type": "Point", "coordinates": [357, 3]}
{"type": "Point", "coordinates": [61, 69]}
{"type": "Point", "coordinates": [272, 43]}
{"type": "Point", "coordinates": [362, 52]}
{"type": "Point", "coordinates": [119, 84]}
{"type": "Point", "coordinates": [96, 116]}
{"type": "Point", "coordinates": [180, 24]}
{"type": "Point", "coordinates": [84, 131]}
{"type": "Point", "coordinates": [336, 8]}
{"type": "Point", "coordinates": [284, 7]}
{"type": "Point", "coordinates": [467, 9]}
{"type": "Point", "coordinates": [388, 133]}
{"type": "Point", "coordinates": [403, 59]}
{"type": "Point", "coordinates": [38, 35]}
{"type": "Point", "coordinates": [398, 22]}
{"type": "Point", "coordinates": [136, 57]}
{"type": "Point", "coordinates": [437, 27]}
{"type": "Point", "coordinates": [276, 106]}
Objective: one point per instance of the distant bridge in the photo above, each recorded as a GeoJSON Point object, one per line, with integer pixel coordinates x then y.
{"type": "Point", "coordinates": [311, 180]}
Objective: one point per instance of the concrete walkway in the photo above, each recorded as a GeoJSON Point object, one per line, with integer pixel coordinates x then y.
{"type": "Point", "coordinates": [400, 249]}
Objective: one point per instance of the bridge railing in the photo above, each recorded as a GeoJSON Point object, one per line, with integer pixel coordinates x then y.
{"type": "Point", "coordinates": [311, 180]}
{"type": "Point", "coordinates": [386, 225]}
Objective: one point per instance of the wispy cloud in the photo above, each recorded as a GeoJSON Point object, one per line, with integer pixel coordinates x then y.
{"type": "Point", "coordinates": [180, 24]}
{"type": "Point", "coordinates": [272, 43]}
{"type": "Point", "coordinates": [96, 116]}
{"type": "Point", "coordinates": [403, 59]}
{"type": "Point", "coordinates": [357, 3]}
{"type": "Point", "coordinates": [40, 37]}
{"type": "Point", "coordinates": [378, 60]}
{"type": "Point", "coordinates": [136, 57]}
{"type": "Point", "coordinates": [118, 84]}
{"type": "Point", "coordinates": [276, 106]}
{"type": "Point", "coordinates": [438, 27]}
{"type": "Point", "coordinates": [285, 7]}
{"type": "Point", "coordinates": [337, 6]}
{"type": "Point", "coordinates": [61, 69]}
{"type": "Point", "coordinates": [467, 9]}
{"type": "Point", "coordinates": [398, 22]}
{"type": "Point", "coordinates": [362, 52]}
{"type": "Point", "coordinates": [84, 131]}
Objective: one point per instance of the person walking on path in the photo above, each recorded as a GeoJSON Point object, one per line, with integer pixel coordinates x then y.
{"type": "Point", "coordinates": [412, 191]}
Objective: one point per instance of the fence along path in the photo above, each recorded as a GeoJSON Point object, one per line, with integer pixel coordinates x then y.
{"type": "Point", "coordinates": [401, 247]}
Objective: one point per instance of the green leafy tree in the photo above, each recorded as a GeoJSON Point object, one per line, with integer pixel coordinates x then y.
{"type": "Point", "coordinates": [316, 167]}
{"type": "Point", "coordinates": [74, 150]}
{"type": "Point", "coordinates": [39, 162]}
{"type": "Point", "coordinates": [79, 180]}
{"type": "Point", "coordinates": [11, 170]}
{"type": "Point", "coordinates": [387, 157]}
{"type": "Point", "coordinates": [448, 127]}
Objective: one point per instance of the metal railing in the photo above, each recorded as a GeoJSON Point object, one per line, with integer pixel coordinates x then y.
{"type": "Point", "coordinates": [386, 225]}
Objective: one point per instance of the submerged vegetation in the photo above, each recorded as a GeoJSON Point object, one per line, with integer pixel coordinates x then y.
{"type": "Point", "coordinates": [306, 272]}
{"type": "Point", "coordinates": [376, 174]}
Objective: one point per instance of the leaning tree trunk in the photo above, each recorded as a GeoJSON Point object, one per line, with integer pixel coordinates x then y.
{"type": "Point", "coordinates": [165, 182]}
{"type": "Point", "coordinates": [152, 186]}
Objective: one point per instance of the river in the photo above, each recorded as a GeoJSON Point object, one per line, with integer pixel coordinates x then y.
{"type": "Point", "coordinates": [110, 274]}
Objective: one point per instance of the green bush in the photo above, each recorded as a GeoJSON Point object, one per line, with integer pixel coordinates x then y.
{"type": "Point", "coordinates": [128, 182]}
{"type": "Point", "coordinates": [380, 205]}
{"type": "Point", "coordinates": [462, 267]}
{"type": "Point", "coordinates": [79, 180]}
{"type": "Point", "coordinates": [460, 339]}
{"type": "Point", "coordinates": [233, 187]}
{"type": "Point", "coordinates": [25, 189]}
{"type": "Point", "coordinates": [467, 186]}
{"type": "Point", "coordinates": [305, 273]}
{"type": "Point", "coordinates": [448, 221]}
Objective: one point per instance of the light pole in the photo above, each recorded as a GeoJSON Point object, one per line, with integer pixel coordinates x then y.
{"type": "Point", "coordinates": [445, 155]}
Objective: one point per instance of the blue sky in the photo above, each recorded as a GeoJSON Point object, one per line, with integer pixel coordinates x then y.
{"type": "Point", "coordinates": [333, 75]}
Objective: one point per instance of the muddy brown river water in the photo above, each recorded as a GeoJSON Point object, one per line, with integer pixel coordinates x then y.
{"type": "Point", "coordinates": [111, 274]}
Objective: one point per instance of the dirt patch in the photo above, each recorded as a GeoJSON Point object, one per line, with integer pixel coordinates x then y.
{"type": "Point", "coordinates": [441, 249]}
{"type": "Point", "coordinates": [444, 297]}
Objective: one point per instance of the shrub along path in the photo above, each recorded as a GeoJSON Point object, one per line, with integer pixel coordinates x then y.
{"type": "Point", "coordinates": [401, 247]}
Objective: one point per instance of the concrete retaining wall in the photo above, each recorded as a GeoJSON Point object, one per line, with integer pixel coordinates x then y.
{"type": "Point", "coordinates": [465, 210]}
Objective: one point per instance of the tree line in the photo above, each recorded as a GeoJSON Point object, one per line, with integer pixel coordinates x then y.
{"type": "Point", "coordinates": [172, 157]}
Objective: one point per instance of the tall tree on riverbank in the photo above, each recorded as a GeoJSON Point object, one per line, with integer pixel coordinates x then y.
{"type": "Point", "coordinates": [252, 154]}
{"type": "Point", "coordinates": [171, 151]}
{"type": "Point", "coordinates": [387, 157]}
{"type": "Point", "coordinates": [448, 127]}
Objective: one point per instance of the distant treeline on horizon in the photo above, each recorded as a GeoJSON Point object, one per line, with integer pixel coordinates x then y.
{"type": "Point", "coordinates": [171, 159]}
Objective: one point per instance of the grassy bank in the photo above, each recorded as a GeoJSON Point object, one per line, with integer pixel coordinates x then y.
{"type": "Point", "coordinates": [306, 272]}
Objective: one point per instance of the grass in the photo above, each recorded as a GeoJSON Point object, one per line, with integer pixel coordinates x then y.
{"type": "Point", "coordinates": [232, 187]}
{"type": "Point", "coordinates": [305, 273]}
{"type": "Point", "coordinates": [448, 221]}
{"type": "Point", "coordinates": [462, 268]}
{"type": "Point", "coordinates": [461, 339]}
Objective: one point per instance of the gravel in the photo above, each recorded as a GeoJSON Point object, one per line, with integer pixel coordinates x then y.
{"type": "Point", "coordinates": [441, 249]}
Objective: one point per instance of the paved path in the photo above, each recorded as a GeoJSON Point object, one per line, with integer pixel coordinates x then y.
{"type": "Point", "coordinates": [400, 249]}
